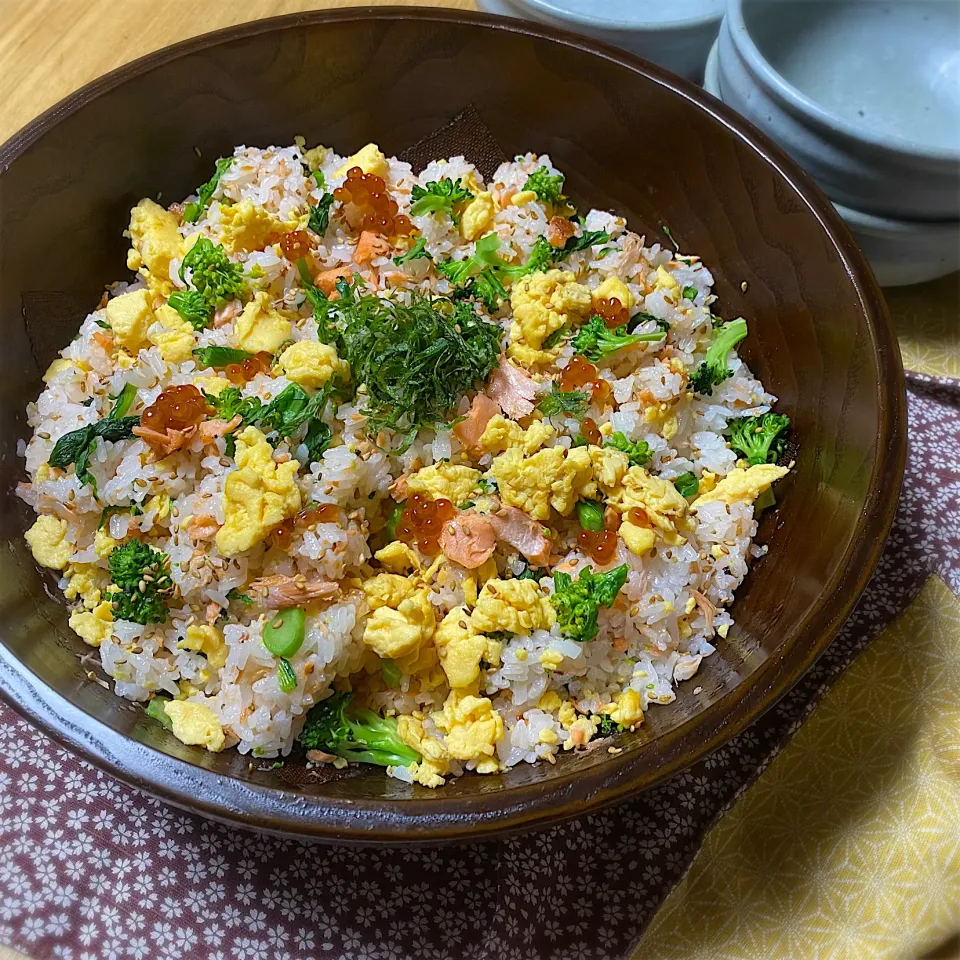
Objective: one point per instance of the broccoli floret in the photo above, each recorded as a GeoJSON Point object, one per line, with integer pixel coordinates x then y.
{"type": "Point", "coordinates": [439, 196]}
{"type": "Point", "coordinates": [142, 576]}
{"type": "Point", "coordinates": [547, 187]}
{"type": "Point", "coordinates": [607, 726]}
{"type": "Point", "coordinates": [578, 601]}
{"type": "Point", "coordinates": [714, 370]}
{"type": "Point", "coordinates": [638, 453]}
{"type": "Point", "coordinates": [192, 307]}
{"type": "Point", "coordinates": [213, 274]}
{"type": "Point", "coordinates": [759, 439]}
{"type": "Point", "coordinates": [363, 737]}
{"type": "Point", "coordinates": [595, 340]}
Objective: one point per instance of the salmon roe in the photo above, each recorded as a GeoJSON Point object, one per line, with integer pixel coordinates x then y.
{"type": "Point", "coordinates": [281, 535]}
{"type": "Point", "coordinates": [590, 432]}
{"type": "Point", "coordinates": [177, 408]}
{"type": "Point", "coordinates": [638, 517]}
{"type": "Point", "coordinates": [240, 373]}
{"type": "Point", "coordinates": [577, 373]}
{"type": "Point", "coordinates": [295, 245]}
{"type": "Point", "coordinates": [423, 520]}
{"type": "Point", "coordinates": [611, 311]}
{"type": "Point", "coordinates": [600, 546]}
{"type": "Point", "coordinates": [367, 205]}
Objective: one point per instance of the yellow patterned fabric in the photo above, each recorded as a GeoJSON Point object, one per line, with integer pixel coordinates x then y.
{"type": "Point", "coordinates": [848, 846]}
{"type": "Point", "coordinates": [927, 321]}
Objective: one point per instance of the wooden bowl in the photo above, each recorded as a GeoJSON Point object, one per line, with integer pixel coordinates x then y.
{"type": "Point", "coordinates": [631, 137]}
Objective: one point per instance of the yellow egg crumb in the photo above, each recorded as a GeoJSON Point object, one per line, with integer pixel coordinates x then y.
{"type": "Point", "coordinates": [195, 724]}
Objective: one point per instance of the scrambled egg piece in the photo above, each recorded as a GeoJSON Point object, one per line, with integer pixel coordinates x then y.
{"type": "Point", "coordinates": [83, 584]}
{"type": "Point", "coordinates": [609, 465]}
{"type": "Point", "coordinates": [518, 606]}
{"type": "Point", "coordinates": [658, 498]}
{"type": "Point", "coordinates": [246, 227]}
{"type": "Point", "coordinates": [477, 216]}
{"type": "Point", "coordinates": [129, 315]}
{"type": "Point", "coordinates": [461, 648]}
{"type": "Point", "coordinates": [398, 557]}
{"type": "Point", "coordinates": [212, 385]}
{"type": "Point", "coordinates": [744, 486]}
{"type": "Point", "coordinates": [629, 709]}
{"type": "Point", "coordinates": [550, 478]}
{"type": "Point", "coordinates": [257, 496]}
{"type": "Point", "coordinates": [103, 543]}
{"type": "Point", "coordinates": [260, 327]}
{"type": "Point", "coordinates": [435, 764]}
{"type": "Point", "coordinates": [58, 366]}
{"type": "Point", "coordinates": [172, 334]}
{"type": "Point", "coordinates": [542, 303]}
{"type": "Point", "coordinates": [314, 156]}
{"type": "Point", "coordinates": [502, 433]}
{"type": "Point", "coordinates": [388, 590]}
{"type": "Point", "coordinates": [567, 714]}
{"type": "Point", "coordinates": [455, 482]}
{"type": "Point", "coordinates": [369, 159]}
{"type": "Point", "coordinates": [155, 237]}
{"type": "Point", "coordinates": [195, 724]}
{"type": "Point", "coordinates": [666, 281]}
{"type": "Point", "coordinates": [312, 364]}
{"type": "Point", "coordinates": [638, 539]}
{"type": "Point", "coordinates": [46, 539]}
{"type": "Point", "coordinates": [207, 640]}
{"type": "Point", "coordinates": [522, 197]}
{"type": "Point", "coordinates": [93, 626]}
{"type": "Point", "coordinates": [549, 702]}
{"type": "Point", "coordinates": [472, 729]}
{"type": "Point", "coordinates": [613, 288]}
{"type": "Point", "coordinates": [550, 660]}
{"type": "Point", "coordinates": [392, 634]}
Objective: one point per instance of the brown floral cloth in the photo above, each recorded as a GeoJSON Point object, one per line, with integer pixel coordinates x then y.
{"type": "Point", "coordinates": [93, 870]}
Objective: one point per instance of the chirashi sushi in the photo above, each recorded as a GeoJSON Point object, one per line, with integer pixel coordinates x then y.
{"type": "Point", "coordinates": [415, 468]}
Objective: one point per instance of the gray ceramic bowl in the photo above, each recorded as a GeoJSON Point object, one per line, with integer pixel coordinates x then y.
{"type": "Point", "coordinates": [675, 36]}
{"type": "Point", "coordinates": [901, 252]}
{"type": "Point", "coordinates": [864, 95]}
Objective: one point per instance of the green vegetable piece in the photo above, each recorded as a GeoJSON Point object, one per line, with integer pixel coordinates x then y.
{"type": "Point", "coordinates": [759, 439]}
{"type": "Point", "coordinates": [687, 484]}
{"type": "Point", "coordinates": [393, 520]}
{"type": "Point", "coordinates": [286, 676]}
{"type": "Point", "coordinates": [362, 737]}
{"type": "Point", "coordinates": [438, 197]}
{"type": "Point", "coordinates": [595, 340]}
{"type": "Point", "coordinates": [607, 726]}
{"type": "Point", "coordinates": [714, 370]}
{"type": "Point", "coordinates": [669, 235]}
{"type": "Point", "coordinates": [765, 501]}
{"type": "Point", "coordinates": [548, 187]}
{"type": "Point", "coordinates": [532, 573]}
{"type": "Point", "coordinates": [578, 602]}
{"type": "Point", "coordinates": [392, 674]}
{"type": "Point", "coordinates": [418, 251]}
{"type": "Point", "coordinates": [689, 293]}
{"type": "Point", "coordinates": [544, 255]}
{"type": "Point", "coordinates": [157, 710]}
{"type": "Point", "coordinates": [219, 357]}
{"type": "Point", "coordinates": [124, 400]}
{"type": "Point", "coordinates": [192, 307]}
{"type": "Point", "coordinates": [283, 636]}
{"type": "Point", "coordinates": [212, 273]}
{"type": "Point", "coordinates": [638, 452]}
{"type": "Point", "coordinates": [229, 402]}
{"type": "Point", "coordinates": [192, 211]}
{"type": "Point", "coordinates": [142, 575]}
{"type": "Point", "coordinates": [320, 215]}
{"type": "Point", "coordinates": [572, 403]}
{"type": "Point", "coordinates": [244, 598]}
{"type": "Point", "coordinates": [416, 360]}
{"type": "Point", "coordinates": [77, 446]}
{"type": "Point", "coordinates": [590, 515]}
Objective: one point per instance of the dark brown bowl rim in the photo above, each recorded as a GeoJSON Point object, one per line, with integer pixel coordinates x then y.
{"type": "Point", "coordinates": [564, 796]}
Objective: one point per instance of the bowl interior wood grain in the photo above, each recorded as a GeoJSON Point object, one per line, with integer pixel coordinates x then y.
{"type": "Point", "coordinates": [631, 138]}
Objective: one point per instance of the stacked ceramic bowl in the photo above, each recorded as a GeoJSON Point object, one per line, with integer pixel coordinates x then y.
{"type": "Point", "coordinates": [865, 95]}
{"type": "Point", "coordinates": [674, 35]}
